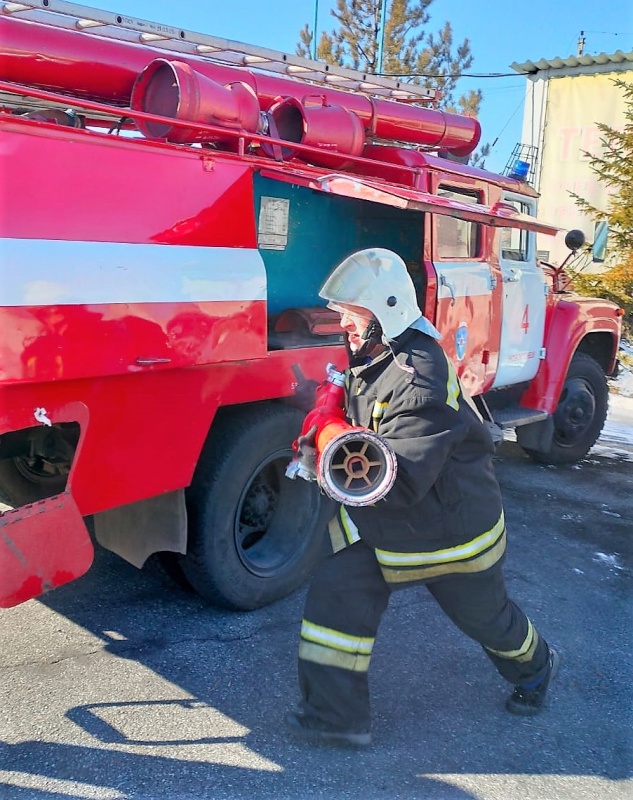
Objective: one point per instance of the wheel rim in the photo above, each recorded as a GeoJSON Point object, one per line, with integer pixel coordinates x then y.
{"type": "Point", "coordinates": [575, 413]}
{"type": "Point", "coordinates": [273, 517]}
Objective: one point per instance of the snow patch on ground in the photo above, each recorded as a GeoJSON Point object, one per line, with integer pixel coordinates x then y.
{"type": "Point", "coordinates": [623, 384]}
{"type": "Point", "coordinates": [616, 439]}
{"type": "Point", "coordinates": [610, 559]}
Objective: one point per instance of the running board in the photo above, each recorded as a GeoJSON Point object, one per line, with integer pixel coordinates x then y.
{"type": "Point", "coordinates": [513, 416]}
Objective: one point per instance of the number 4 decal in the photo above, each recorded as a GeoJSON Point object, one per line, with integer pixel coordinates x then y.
{"type": "Point", "coordinates": [525, 322]}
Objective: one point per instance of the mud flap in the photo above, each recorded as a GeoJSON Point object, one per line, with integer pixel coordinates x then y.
{"type": "Point", "coordinates": [137, 530]}
{"type": "Point", "coordinates": [537, 436]}
{"type": "Point", "coordinates": [42, 545]}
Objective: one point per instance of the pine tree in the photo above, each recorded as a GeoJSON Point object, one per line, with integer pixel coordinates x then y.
{"type": "Point", "coordinates": [614, 166]}
{"type": "Point", "coordinates": [432, 59]}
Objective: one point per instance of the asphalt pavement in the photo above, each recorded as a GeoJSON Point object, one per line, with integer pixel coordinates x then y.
{"type": "Point", "coordinates": [122, 685]}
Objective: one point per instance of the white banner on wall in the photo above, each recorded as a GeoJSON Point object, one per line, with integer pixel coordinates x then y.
{"type": "Point", "coordinates": [575, 104]}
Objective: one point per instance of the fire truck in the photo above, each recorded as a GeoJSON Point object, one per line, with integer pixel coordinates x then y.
{"type": "Point", "coordinates": [171, 204]}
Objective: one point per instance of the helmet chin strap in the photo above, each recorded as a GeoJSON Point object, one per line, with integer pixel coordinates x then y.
{"type": "Point", "coordinates": [372, 337]}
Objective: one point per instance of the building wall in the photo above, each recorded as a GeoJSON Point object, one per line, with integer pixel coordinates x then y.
{"type": "Point", "coordinates": [563, 113]}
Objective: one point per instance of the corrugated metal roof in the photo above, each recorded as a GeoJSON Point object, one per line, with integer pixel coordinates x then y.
{"type": "Point", "coordinates": [573, 61]}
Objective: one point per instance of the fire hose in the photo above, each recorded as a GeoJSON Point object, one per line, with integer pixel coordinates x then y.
{"type": "Point", "coordinates": [351, 464]}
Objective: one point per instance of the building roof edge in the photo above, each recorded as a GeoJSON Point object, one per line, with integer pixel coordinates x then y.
{"type": "Point", "coordinates": [556, 63]}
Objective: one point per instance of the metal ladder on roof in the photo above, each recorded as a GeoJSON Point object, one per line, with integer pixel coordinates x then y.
{"type": "Point", "coordinates": [72, 16]}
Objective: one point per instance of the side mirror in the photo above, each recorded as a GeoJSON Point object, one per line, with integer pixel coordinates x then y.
{"type": "Point", "coordinates": [600, 236]}
{"type": "Point", "coordinates": [574, 239]}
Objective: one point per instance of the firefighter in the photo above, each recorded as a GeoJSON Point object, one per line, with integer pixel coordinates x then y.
{"type": "Point", "coordinates": [441, 525]}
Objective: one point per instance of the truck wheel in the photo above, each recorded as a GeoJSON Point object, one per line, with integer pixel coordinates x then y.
{"type": "Point", "coordinates": [25, 480]}
{"type": "Point", "coordinates": [254, 535]}
{"type": "Point", "coordinates": [580, 415]}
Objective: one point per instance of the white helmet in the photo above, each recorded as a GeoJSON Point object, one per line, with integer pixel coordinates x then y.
{"type": "Point", "coordinates": [375, 279]}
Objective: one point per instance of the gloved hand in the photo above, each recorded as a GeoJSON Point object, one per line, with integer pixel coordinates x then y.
{"type": "Point", "coordinates": [306, 450]}
{"type": "Point", "coordinates": [305, 395]}
{"type": "Point", "coordinates": [305, 390]}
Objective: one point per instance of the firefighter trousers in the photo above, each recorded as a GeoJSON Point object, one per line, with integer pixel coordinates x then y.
{"type": "Point", "coordinates": [345, 603]}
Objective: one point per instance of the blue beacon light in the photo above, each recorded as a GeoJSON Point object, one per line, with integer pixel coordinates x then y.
{"type": "Point", "coordinates": [520, 170]}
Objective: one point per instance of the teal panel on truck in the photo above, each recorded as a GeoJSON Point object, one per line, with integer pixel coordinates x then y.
{"type": "Point", "coordinates": [321, 230]}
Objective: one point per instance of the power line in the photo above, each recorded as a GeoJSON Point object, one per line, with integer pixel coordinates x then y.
{"type": "Point", "coordinates": [506, 125]}
{"type": "Point", "coordinates": [444, 75]}
{"type": "Point", "coordinates": [611, 33]}
{"type": "Point", "coordinates": [515, 87]}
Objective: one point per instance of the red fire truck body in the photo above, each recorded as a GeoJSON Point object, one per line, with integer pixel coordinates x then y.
{"type": "Point", "coordinates": [159, 292]}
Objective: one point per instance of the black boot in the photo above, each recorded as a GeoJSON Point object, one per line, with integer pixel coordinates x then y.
{"type": "Point", "coordinates": [313, 729]}
{"type": "Point", "coordinates": [529, 702]}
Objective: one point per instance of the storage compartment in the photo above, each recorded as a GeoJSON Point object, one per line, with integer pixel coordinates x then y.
{"type": "Point", "coordinates": [304, 234]}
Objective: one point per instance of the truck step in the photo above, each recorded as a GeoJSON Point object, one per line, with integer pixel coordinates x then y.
{"type": "Point", "coordinates": [512, 416]}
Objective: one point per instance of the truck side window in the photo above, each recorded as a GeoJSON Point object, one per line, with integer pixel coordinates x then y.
{"type": "Point", "coordinates": [457, 238]}
{"type": "Point", "coordinates": [514, 242]}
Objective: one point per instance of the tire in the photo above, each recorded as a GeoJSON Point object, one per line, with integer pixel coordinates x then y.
{"type": "Point", "coordinates": [580, 414]}
{"type": "Point", "coordinates": [25, 480]}
{"type": "Point", "coordinates": [254, 535]}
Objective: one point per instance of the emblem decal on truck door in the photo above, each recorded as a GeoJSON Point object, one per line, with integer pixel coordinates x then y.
{"type": "Point", "coordinates": [461, 339]}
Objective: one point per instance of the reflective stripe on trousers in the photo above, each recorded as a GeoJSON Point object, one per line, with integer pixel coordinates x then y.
{"type": "Point", "coordinates": [526, 651]}
{"type": "Point", "coordinates": [477, 555]}
{"type": "Point", "coordinates": [334, 648]}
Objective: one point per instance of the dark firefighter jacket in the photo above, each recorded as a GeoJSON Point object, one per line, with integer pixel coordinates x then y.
{"type": "Point", "coordinates": [444, 513]}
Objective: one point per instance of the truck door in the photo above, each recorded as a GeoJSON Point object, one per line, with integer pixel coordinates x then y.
{"type": "Point", "coordinates": [523, 300]}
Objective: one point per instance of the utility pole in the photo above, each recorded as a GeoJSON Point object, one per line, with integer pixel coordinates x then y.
{"type": "Point", "coordinates": [314, 30]}
{"type": "Point", "coordinates": [581, 43]}
{"type": "Point", "coordinates": [381, 45]}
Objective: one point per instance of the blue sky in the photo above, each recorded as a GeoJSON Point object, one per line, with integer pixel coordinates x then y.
{"type": "Point", "coordinates": [500, 31]}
